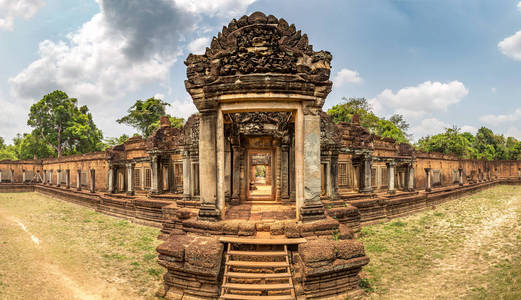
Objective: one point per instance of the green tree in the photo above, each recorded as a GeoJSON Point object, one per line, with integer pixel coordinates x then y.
{"type": "Point", "coordinates": [449, 142]}
{"type": "Point", "coordinates": [27, 146]}
{"type": "Point", "coordinates": [175, 121]}
{"type": "Point", "coordinates": [64, 126]}
{"type": "Point", "coordinates": [2, 143]}
{"type": "Point", "coordinates": [394, 128]}
{"type": "Point", "coordinates": [114, 141]}
{"type": "Point", "coordinates": [144, 114]}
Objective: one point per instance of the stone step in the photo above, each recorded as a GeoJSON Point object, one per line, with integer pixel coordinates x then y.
{"type": "Point", "coordinates": [257, 264]}
{"type": "Point", "coordinates": [257, 253]}
{"type": "Point", "coordinates": [252, 297]}
{"type": "Point", "coordinates": [257, 275]}
{"type": "Point", "coordinates": [250, 241]}
{"type": "Point", "coordinates": [257, 287]}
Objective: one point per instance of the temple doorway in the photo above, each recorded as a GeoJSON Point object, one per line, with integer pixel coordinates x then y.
{"type": "Point", "coordinates": [260, 175]}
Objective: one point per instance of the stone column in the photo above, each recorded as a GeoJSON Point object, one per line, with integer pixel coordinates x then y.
{"type": "Point", "coordinates": [519, 172]}
{"type": "Point", "coordinates": [78, 182]}
{"type": "Point", "coordinates": [130, 179]}
{"type": "Point", "coordinates": [284, 172]}
{"type": "Point", "coordinates": [110, 179]}
{"type": "Point", "coordinates": [410, 181]}
{"type": "Point", "coordinates": [227, 171]}
{"type": "Point", "coordinates": [479, 175]}
{"type": "Point", "coordinates": [58, 178]}
{"type": "Point", "coordinates": [428, 179]}
{"type": "Point", "coordinates": [23, 176]}
{"type": "Point", "coordinates": [187, 195]}
{"type": "Point", "coordinates": [50, 177]}
{"type": "Point", "coordinates": [68, 178]}
{"type": "Point", "coordinates": [364, 181]}
{"type": "Point", "coordinates": [307, 155]}
{"type": "Point", "coordinates": [154, 167]}
{"type": "Point", "coordinates": [220, 151]}
{"type": "Point", "coordinates": [0, 176]}
{"type": "Point", "coordinates": [460, 176]}
{"type": "Point", "coordinates": [390, 177]}
{"type": "Point", "coordinates": [92, 181]}
{"type": "Point", "coordinates": [495, 173]}
{"type": "Point", "coordinates": [44, 177]}
{"type": "Point", "coordinates": [208, 165]}
{"type": "Point", "coordinates": [236, 180]}
{"type": "Point", "coordinates": [333, 175]}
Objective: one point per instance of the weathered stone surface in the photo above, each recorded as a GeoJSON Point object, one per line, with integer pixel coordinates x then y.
{"type": "Point", "coordinates": [204, 252]}
{"type": "Point", "coordinates": [247, 228]}
{"type": "Point", "coordinates": [347, 249]}
{"type": "Point", "coordinates": [317, 251]}
{"type": "Point", "coordinates": [174, 246]}
{"type": "Point", "coordinates": [345, 233]}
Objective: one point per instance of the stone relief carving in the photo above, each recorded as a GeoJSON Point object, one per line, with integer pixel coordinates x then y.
{"type": "Point", "coordinates": [260, 123]}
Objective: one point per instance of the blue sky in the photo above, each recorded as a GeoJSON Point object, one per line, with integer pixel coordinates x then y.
{"type": "Point", "coordinates": [439, 63]}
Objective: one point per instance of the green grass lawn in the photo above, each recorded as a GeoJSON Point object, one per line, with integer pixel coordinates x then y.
{"type": "Point", "coordinates": [467, 248]}
{"type": "Point", "coordinates": [71, 252]}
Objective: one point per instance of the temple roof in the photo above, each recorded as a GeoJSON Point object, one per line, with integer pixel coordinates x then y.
{"type": "Point", "coordinates": [258, 53]}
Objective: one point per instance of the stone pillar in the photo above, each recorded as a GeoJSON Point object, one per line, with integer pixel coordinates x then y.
{"type": "Point", "coordinates": [130, 179]}
{"type": "Point", "coordinates": [44, 177]}
{"type": "Point", "coordinates": [208, 165]}
{"type": "Point", "coordinates": [236, 180]}
{"type": "Point", "coordinates": [495, 173]}
{"type": "Point", "coordinates": [410, 181]}
{"type": "Point", "coordinates": [479, 175]}
{"type": "Point", "coordinates": [23, 176]}
{"type": "Point", "coordinates": [460, 176]}
{"type": "Point", "coordinates": [333, 175]}
{"type": "Point", "coordinates": [519, 172]}
{"type": "Point", "coordinates": [187, 168]}
{"type": "Point", "coordinates": [227, 171]}
{"type": "Point", "coordinates": [364, 181]}
{"type": "Point", "coordinates": [428, 187]}
{"type": "Point", "coordinates": [50, 177]}
{"type": "Point", "coordinates": [284, 172]}
{"type": "Point", "coordinates": [307, 164]}
{"type": "Point", "coordinates": [58, 177]}
{"type": "Point", "coordinates": [0, 176]}
{"type": "Point", "coordinates": [110, 179]}
{"type": "Point", "coordinates": [78, 180]}
{"type": "Point", "coordinates": [92, 181]}
{"type": "Point", "coordinates": [390, 177]}
{"type": "Point", "coordinates": [68, 178]}
{"type": "Point", "coordinates": [154, 167]}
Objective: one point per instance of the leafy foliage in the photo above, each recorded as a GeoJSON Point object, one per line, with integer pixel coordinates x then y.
{"type": "Point", "coordinates": [484, 145]}
{"type": "Point", "coordinates": [114, 141]}
{"type": "Point", "coordinates": [144, 115]}
{"type": "Point", "coordinates": [62, 125]}
{"type": "Point", "coordinates": [175, 121]}
{"type": "Point", "coordinates": [396, 127]}
{"type": "Point", "coordinates": [29, 146]}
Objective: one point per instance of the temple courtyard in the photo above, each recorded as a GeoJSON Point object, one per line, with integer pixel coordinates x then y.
{"type": "Point", "coordinates": [466, 248]}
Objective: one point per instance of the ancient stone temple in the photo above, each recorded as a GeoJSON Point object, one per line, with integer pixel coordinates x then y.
{"type": "Point", "coordinates": [260, 195]}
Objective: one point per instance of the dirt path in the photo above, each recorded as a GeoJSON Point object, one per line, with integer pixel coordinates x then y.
{"type": "Point", "coordinates": [487, 241]}
{"type": "Point", "coordinates": [44, 278]}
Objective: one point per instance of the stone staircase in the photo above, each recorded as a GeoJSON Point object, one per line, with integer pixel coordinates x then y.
{"type": "Point", "coordinates": [258, 269]}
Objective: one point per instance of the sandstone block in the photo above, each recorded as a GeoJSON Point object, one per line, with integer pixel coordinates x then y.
{"type": "Point", "coordinates": [347, 249]}
{"type": "Point", "coordinates": [317, 251]}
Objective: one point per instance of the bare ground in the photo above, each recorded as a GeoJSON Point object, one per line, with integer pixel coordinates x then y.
{"type": "Point", "coordinates": [466, 248]}
{"type": "Point", "coordinates": [50, 249]}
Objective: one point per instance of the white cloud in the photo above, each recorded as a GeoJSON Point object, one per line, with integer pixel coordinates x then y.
{"type": "Point", "coordinates": [519, 6]}
{"type": "Point", "coordinates": [511, 46]}
{"type": "Point", "coordinates": [493, 90]}
{"type": "Point", "coordinates": [513, 132]}
{"type": "Point", "coordinates": [429, 126]}
{"type": "Point", "coordinates": [181, 108]}
{"type": "Point", "coordinates": [128, 48]}
{"type": "Point", "coordinates": [198, 46]}
{"type": "Point", "coordinates": [221, 8]}
{"type": "Point", "coordinates": [416, 101]}
{"type": "Point", "coordinates": [159, 96]}
{"type": "Point", "coordinates": [11, 9]}
{"type": "Point", "coordinates": [468, 128]}
{"type": "Point", "coordinates": [346, 76]}
{"type": "Point", "coordinates": [502, 118]}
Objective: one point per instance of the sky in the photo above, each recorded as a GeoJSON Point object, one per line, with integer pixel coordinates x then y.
{"type": "Point", "coordinates": [440, 63]}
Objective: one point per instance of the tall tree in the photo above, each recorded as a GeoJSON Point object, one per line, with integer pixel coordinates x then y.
{"type": "Point", "coordinates": [63, 125]}
{"type": "Point", "coordinates": [143, 114]}
{"type": "Point", "coordinates": [395, 127]}
{"type": "Point", "coordinates": [28, 145]}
